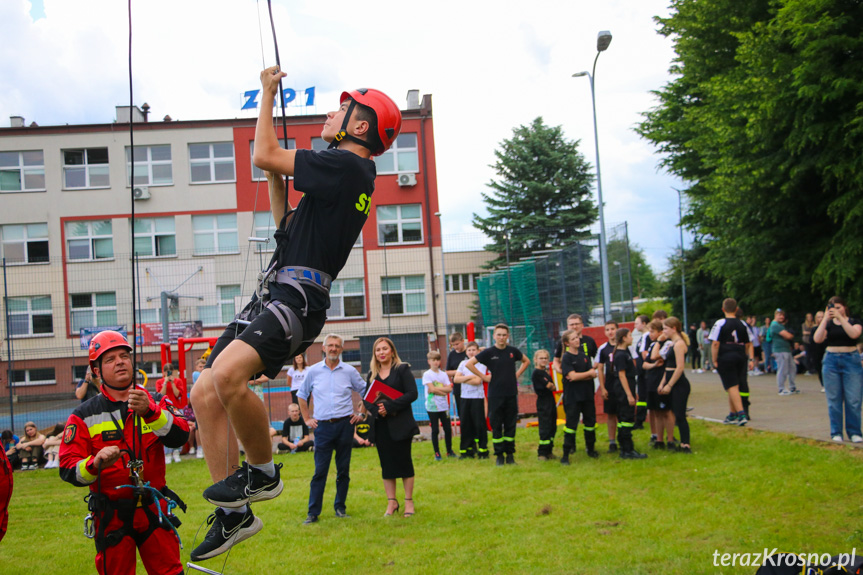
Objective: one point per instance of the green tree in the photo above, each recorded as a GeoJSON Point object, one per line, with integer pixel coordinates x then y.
{"type": "Point", "coordinates": [541, 197]}
{"type": "Point", "coordinates": [763, 121]}
{"type": "Point", "coordinates": [704, 294]}
{"type": "Point", "coordinates": [633, 263]}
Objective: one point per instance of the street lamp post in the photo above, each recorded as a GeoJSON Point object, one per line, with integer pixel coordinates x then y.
{"type": "Point", "coordinates": [443, 271]}
{"type": "Point", "coordinates": [603, 39]}
{"type": "Point", "coordinates": [682, 260]}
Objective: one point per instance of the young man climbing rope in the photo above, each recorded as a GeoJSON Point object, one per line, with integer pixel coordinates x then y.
{"type": "Point", "coordinates": [123, 425]}
{"type": "Point", "coordinates": [288, 310]}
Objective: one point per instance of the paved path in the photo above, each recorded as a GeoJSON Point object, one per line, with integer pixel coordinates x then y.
{"type": "Point", "coordinates": [804, 414]}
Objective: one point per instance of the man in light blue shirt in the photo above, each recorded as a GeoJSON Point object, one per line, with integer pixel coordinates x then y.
{"type": "Point", "coordinates": [332, 383]}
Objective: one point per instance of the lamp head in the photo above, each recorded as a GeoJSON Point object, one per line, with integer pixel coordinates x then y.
{"type": "Point", "coordinates": [580, 74]}
{"type": "Point", "coordinates": [603, 39]}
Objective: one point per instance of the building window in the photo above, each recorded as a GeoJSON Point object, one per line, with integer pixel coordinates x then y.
{"type": "Point", "coordinates": [400, 224]}
{"type": "Point", "coordinates": [149, 315]}
{"type": "Point", "coordinates": [319, 144]}
{"type": "Point", "coordinates": [79, 372]}
{"type": "Point", "coordinates": [224, 311]}
{"type": "Point", "coordinates": [404, 295]}
{"type": "Point", "coordinates": [265, 228]}
{"type": "Point", "coordinates": [86, 168]}
{"type": "Point", "coordinates": [152, 166]}
{"type": "Point", "coordinates": [155, 237]}
{"type": "Point", "coordinates": [212, 163]}
{"type": "Point", "coordinates": [258, 173]}
{"type": "Point", "coordinates": [22, 171]}
{"type": "Point", "coordinates": [461, 282]}
{"type": "Point", "coordinates": [93, 310]}
{"type": "Point", "coordinates": [89, 240]}
{"type": "Point", "coordinates": [24, 243]}
{"type": "Point", "coordinates": [29, 316]}
{"type": "Point", "coordinates": [39, 376]}
{"type": "Point", "coordinates": [402, 157]}
{"type": "Point", "coordinates": [347, 299]}
{"type": "Point", "coordinates": [215, 234]}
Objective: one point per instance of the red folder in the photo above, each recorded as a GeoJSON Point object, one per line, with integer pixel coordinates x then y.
{"type": "Point", "coordinates": [379, 389]}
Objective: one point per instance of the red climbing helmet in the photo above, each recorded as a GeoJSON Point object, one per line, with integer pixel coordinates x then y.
{"type": "Point", "coordinates": [387, 112]}
{"type": "Point", "coordinates": [104, 341]}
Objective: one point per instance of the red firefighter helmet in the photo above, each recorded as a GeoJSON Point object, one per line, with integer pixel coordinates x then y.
{"type": "Point", "coordinates": [388, 115]}
{"type": "Point", "coordinates": [104, 341]}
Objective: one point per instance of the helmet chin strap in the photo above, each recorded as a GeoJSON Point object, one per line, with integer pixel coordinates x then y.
{"type": "Point", "coordinates": [343, 132]}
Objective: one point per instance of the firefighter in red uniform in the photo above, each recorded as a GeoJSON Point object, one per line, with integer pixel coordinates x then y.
{"type": "Point", "coordinates": [103, 435]}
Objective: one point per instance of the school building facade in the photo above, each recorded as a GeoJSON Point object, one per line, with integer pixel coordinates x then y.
{"type": "Point", "coordinates": [202, 232]}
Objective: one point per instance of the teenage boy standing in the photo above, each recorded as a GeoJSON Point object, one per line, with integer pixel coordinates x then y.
{"type": "Point", "coordinates": [502, 390]}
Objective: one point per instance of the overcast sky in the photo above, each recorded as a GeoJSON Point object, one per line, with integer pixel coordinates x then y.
{"type": "Point", "coordinates": [489, 65]}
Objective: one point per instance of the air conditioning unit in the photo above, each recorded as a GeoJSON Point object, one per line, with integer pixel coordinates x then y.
{"type": "Point", "coordinates": [141, 193]}
{"type": "Point", "coordinates": [406, 180]}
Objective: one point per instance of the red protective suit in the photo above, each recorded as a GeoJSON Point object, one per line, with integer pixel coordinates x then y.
{"type": "Point", "coordinates": [128, 520]}
{"type": "Point", "coordinates": [5, 491]}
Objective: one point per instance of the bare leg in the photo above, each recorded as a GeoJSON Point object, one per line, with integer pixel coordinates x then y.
{"type": "Point", "coordinates": [612, 427]}
{"type": "Point", "coordinates": [216, 435]}
{"type": "Point", "coordinates": [390, 489]}
{"type": "Point", "coordinates": [230, 373]}
{"type": "Point", "coordinates": [409, 494]}
{"type": "Point", "coordinates": [734, 399]}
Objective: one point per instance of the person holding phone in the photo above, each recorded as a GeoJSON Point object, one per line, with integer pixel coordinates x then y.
{"type": "Point", "coordinates": [841, 369]}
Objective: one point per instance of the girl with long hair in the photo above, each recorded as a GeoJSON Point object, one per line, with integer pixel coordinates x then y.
{"type": "Point", "coordinates": [296, 375]}
{"type": "Point", "coordinates": [675, 385]}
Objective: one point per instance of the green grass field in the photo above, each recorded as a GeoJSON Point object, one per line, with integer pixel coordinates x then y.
{"type": "Point", "coordinates": [741, 491]}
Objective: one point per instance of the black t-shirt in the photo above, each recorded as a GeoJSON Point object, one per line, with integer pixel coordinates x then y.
{"type": "Point", "coordinates": [366, 429]}
{"type": "Point", "coordinates": [294, 430]}
{"type": "Point", "coordinates": [588, 345]}
{"type": "Point", "coordinates": [604, 359]}
{"type": "Point", "coordinates": [836, 334]}
{"type": "Point", "coordinates": [453, 360]}
{"type": "Point", "coordinates": [655, 375]}
{"type": "Point", "coordinates": [338, 186]}
{"type": "Point", "coordinates": [541, 379]}
{"type": "Point", "coordinates": [501, 365]}
{"type": "Point", "coordinates": [623, 364]}
{"type": "Point", "coordinates": [732, 335]}
{"type": "Point", "coordinates": [581, 390]}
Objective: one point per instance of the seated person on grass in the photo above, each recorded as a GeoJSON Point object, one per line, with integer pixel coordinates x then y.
{"type": "Point", "coordinates": [295, 432]}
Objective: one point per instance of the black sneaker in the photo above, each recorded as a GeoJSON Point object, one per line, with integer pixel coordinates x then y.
{"type": "Point", "coordinates": [612, 446]}
{"type": "Point", "coordinates": [659, 445]}
{"type": "Point", "coordinates": [742, 420]}
{"type": "Point", "coordinates": [684, 449]}
{"type": "Point", "coordinates": [450, 454]}
{"type": "Point", "coordinates": [227, 529]}
{"type": "Point", "coordinates": [632, 455]}
{"type": "Point", "coordinates": [731, 419]}
{"type": "Point", "coordinates": [499, 461]}
{"type": "Point", "coordinates": [245, 485]}
{"type": "Point", "coordinates": [310, 519]}
{"type": "Point", "coordinates": [482, 455]}
{"type": "Point", "coordinates": [342, 514]}
{"type": "Point", "coordinates": [564, 460]}
{"type": "Point", "coordinates": [510, 459]}
{"type": "Point", "coordinates": [593, 454]}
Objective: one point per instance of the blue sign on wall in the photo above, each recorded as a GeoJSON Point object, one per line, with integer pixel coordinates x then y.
{"type": "Point", "coordinates": [291, 98]}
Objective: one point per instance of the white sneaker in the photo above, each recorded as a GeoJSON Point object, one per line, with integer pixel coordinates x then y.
{"type": "Point", "coordinates": [784, 392]}
{"type": "Point", "coordinates": [191, 451]}
{"type": "Point", "coordinates": [200, 454]}
{"type": "Point", "coordinates": [168, 459]}
{"type": "Point", "coordinates": [822, 390]}
{"type": "Point", "coordinates": [177, 456]}
{"type": "Point", "coordinates": [856, 439]}
{"type": "Point", "coordinates": [837, 438]}
{"type": "Point", "coordinates": [700, 371]}
{"type": "Point", "coordinates": [714, 371]}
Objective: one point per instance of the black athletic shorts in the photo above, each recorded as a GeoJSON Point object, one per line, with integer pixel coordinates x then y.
{"type": "Point", "coordinates": [267, 336]}
{"type": "Point", "coordinates": [653, 400]}
{"type": "Point", "coordinates": [609, 406]}
{"type": "Point", "coordinates": [731, 372]}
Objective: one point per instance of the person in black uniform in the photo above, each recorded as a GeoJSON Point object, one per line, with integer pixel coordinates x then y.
{"type": "Point", "coordinates": [576, 323]}
{"type": "Point", "coordinates": [502, 390]}
{"type": "Point", "coordinates": [289, 307]}
{"type": "Point", "coordinates": [729, 351]}
{"type": "Point", "coordinates": [675, 385]}
{"type": "Point", "coordinates": [640, 339]}
{"type": "Point", "coordinates": [457, 354]}
{"type": "Point", "coordinates": [605, 370]}
{"type": "Point", "coordinates": [395, 426]}
{"type": "Point", "coordinates": [578, 396]}
{"type": "Point", "coordinates": [654, 371]}
{"type": "Point", "coordinates": [624, 390]}
{"type": "Point", "coordinates": [546, 409]}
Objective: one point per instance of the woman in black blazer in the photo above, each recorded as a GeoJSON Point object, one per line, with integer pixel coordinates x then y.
{"type": "Point", "coordinates": [395, 426]}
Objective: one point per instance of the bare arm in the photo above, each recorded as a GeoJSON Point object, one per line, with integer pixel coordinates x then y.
{"type": "Point", "coordinates": [714, 352]}
{"type": "Point", "coordinates": [524, 365]}
{"type": "Point", "coordinates": [81, 390]}
{"type": "Point", "coordinates": [268, 155]}
{"type": "Point", "coordinates": [471, 366]}
{"type": "Point", "coordinates": [555, 365]}
{"type": "Point", "coordinates": [680, 355]}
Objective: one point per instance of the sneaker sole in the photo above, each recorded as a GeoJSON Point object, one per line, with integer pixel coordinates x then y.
{"type": "Point", "coordinates": [259, 496]}
{"type": "Point", "coordinates": [242, 535]}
